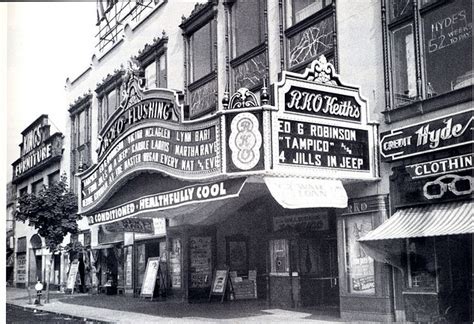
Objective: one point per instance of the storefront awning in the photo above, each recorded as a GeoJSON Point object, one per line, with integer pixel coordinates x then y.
{"type": "Point", "coordinates": [295, 193]}
{"type": "Point", "coordinates": [432, 220]}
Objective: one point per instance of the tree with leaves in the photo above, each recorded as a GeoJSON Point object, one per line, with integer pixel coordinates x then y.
{"type": "Point", "coordinates": [53, 213]}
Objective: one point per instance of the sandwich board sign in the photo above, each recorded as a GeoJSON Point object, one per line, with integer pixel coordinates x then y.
{"type": "Point", "coordinates": [151, 274]}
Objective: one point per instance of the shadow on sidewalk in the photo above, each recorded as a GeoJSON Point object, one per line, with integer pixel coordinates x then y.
{"type": "Point", "coordinates": [177, 309]}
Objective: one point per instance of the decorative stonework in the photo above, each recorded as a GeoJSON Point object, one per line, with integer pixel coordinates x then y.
{"type": "Point", "coordinates": [157, 44]}
{"type": "Point", "coordinates": [203, 99]}
{"type": "Point", "coordinates": [322, 71]}
{"type": "Point", "coordinates": [243, 98]}
{"type": "Point", "coordinates": [80, 102]}
{"type": "Point", "coordinates": [311, 42]}
{"type": "Point", "coordinates": [250, 73]}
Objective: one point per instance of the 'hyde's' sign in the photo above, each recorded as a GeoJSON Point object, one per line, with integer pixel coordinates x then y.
{"type": "Point", "coordinates": [437, 134]}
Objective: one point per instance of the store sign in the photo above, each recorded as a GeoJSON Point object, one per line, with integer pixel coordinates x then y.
{"type": "Point", "coordinates": [192, 194]}
{"type": "Point", "coordinates": [323, 146]}
{"type": "Point", "coordinates": [245, 141]}
{"type": "Point", "coordinates": [317, 103]}
{"type": "Point", "coordinates": [453, 183]}
{"type": "Point", "coordinates": [182, 151]}
{"type": "Point", "coordinates": [434, 135]}
{"type": "Point", "coordinates": [37, 147]}
{"type": "Point", "coordinates": [134, 225]}
{"type": "Point", "coordinates": [441, 166]}
{"type": "Point", "coordinates": [317, 221]}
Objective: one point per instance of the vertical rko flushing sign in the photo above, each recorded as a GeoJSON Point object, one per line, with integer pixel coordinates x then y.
{"type": "Point", "coordinates": [147, 133]}
{"type": "Point", "coordinates": [322, 128]}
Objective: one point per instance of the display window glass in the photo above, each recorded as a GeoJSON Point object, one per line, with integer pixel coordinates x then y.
{"type": "Point", "coordinates": [360, 269]}
{"type": "Point", "coordinates": [421, 263]}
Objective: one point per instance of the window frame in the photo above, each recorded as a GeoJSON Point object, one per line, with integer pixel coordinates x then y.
{"type": "Point", "coordinates": [409, 280]}
{"type": "Point", "coordinates": [423, 93]}
{"type": "Point", "coordinates": [109, 84]}
{"type": "Point", "coordinates": [153, 53]}
{"type": "Point", "coordinates": [291, 29]}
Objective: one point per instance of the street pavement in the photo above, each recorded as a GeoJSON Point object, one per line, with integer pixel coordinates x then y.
{"type": "Point", "coordinates": [120, 309]}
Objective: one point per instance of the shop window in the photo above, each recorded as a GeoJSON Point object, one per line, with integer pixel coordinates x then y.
{"type": "Point", "coordinates": [443, 60]}
{"type": "Point", "coordinates": [421, 263]}
{"type": "Point", "coordinates": [309, 32]}
{"type": "Point", "coordinates": [279, 256]}
{"type": "Point", "coordinates": [248, 28]}
{"type": "Point", "coordinates": [360, 269]}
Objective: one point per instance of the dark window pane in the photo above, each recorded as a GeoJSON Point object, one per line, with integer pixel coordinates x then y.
{"type": "Point", "coordinates": [201, 52]}
{"type": "Point", "coordinates": [399, 8]}
{"type": "Point", "coordinates": [447, 33]}
{"type": "Point", "coordinates": [403, 65]}
{"type": "Point", "coordinates": [36, 187]}
{"type": "Point", "coordinates": [53, 178]}
{"type": "Point", "coordinates": [248, 29]}
{"type": "Point", "coordinates": [422, 266]}
{"type": "Point", "coordinates": [305, 8]}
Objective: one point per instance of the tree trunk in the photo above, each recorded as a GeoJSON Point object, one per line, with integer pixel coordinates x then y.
{"type": "Point", "coordinates": [48, 280]}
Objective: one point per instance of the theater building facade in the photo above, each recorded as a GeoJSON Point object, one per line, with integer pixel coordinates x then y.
{"type": "Point", "coordinates": [227, 140]}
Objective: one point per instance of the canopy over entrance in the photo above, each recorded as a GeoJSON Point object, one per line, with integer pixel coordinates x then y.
{"type": "Point", "coordinates": [385, 243]}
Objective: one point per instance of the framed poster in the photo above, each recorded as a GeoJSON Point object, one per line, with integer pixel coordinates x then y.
{"type": "Point", "coordinates": [237, 254]}
{"type": "Point", "coordinates": [201, 261]}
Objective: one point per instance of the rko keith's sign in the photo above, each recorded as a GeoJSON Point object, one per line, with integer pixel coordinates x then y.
{"type": "Point", "coordinates": [321, 126]}
{"type": "Point", "coordinates": [434, 135]}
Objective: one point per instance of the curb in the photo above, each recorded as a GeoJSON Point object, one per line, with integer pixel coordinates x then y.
{"type": "Point", "coordinates": [79, 318]}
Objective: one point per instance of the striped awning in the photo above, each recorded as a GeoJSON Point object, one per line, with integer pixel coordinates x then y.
{"type": "Point", "coordinates": [431, 220]}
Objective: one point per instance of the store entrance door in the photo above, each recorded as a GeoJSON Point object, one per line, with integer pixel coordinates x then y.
{"type": "Point", "coordinates": [317, 260]}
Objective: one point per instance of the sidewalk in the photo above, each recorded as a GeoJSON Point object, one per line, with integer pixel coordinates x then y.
{"type": "Point", "coordinates": [119, 309]}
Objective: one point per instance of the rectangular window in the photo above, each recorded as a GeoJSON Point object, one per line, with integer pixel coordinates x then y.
{"type": "Point", "coordinates": [302, 9]}
{"type": "Point", "coordinates": [447, 41]}
{"type": "Point", "coordinates": [403, 58]}
{"type": "Point", "coordinates": [279, 256]}
{"type": "Point", "coordinates": [248, 29]}
{"type": "Point", "coordinates": [359, 266]}
{"type": "Point", "coordinates": [112, 102]}
{"type": "Point", "coordinates": [150, 75]}
{"type": "Point", "coordinates": [202, 51]}
{"type": "Point", "coordinates": [421, 263]}
{"type": "Point", "coordinates": [23, 191]}
{"type": "Point", "coordinates": [37, 186]}
{"type": "Point", "coordinates": [442, 59]}
{"type": "Point", "coordinates": [81, 128]}
{"type": "Point", "coordinates": [53, 178]}
{"type": "Point", "coordinates": [162, 77]}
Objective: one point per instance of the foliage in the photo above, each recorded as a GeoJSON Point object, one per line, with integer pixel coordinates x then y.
{"type": "Point", "coordinates": [53, 212]}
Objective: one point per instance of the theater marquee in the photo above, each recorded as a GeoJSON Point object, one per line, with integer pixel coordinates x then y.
{"type": "Point", "coordinates": [321, 128]}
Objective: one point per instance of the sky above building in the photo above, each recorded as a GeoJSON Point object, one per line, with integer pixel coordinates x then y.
{"type": "Point", "coordinates": [47, 42]}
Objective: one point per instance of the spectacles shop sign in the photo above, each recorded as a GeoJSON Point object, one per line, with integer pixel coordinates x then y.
{"type": "Point", "coordinates": [434, 135]}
